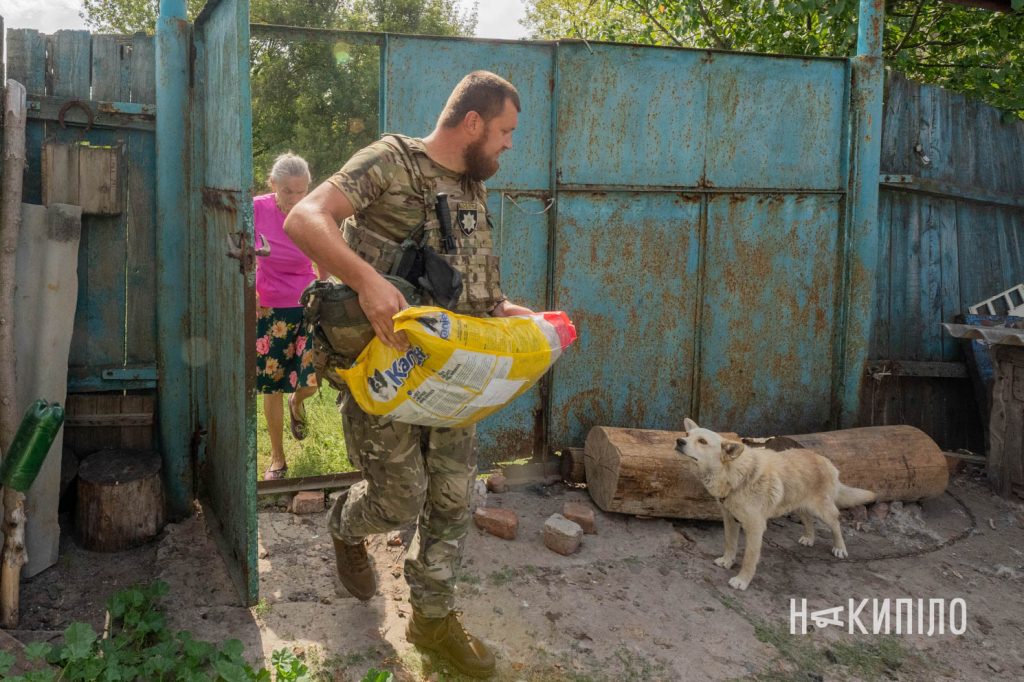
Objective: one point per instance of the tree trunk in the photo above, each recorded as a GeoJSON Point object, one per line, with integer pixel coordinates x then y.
{"type": "Point", "coordinates": [635, 471]}
{"type": "Point", "coordinates": [15, 114]}
{"type": "Point", "coordinates": [120, 499]}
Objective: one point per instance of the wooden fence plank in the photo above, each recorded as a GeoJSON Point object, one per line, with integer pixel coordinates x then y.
{"type": "Point", "coordinates": [100, 320]}
{"type": "Point", "coordinates": [26, 58]}
{"type": "Point", "coordinates": [143, 69]}
{"type": "Point", "coordinates": [141, 213]}
{"type": "Point", "coordinates": [111, 68]}
{"type": "Point", "coordinates": [945, 220]}
{"type": "Point", "coordinates": [883, 285]}
{"type": "Point", "coordinates": [26, 63]}
{"type": "Point", "coordinates": [70, 56]}
{"type": "Point", "coordinates": [930, 301]}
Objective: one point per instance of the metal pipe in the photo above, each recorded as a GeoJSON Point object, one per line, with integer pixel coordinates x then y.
{"type": "Point", "coordinates": [172, 272]}
{"type": "Point", "coordinates": [861, 252]}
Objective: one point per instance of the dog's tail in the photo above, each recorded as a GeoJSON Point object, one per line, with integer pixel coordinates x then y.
{"type": "Point", "coordinates": [851, 497]}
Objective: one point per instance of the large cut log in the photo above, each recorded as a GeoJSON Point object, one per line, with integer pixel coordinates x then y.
{"type": "Point", "coordinates": [896, 462]}
{"type": "Point", "coordinates": [120, 499]}
{"type": "Point", "coordinates": [638, 471]}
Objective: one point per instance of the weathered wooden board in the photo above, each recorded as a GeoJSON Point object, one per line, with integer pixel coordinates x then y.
{"type": "Point", "coordinates": [117, 253]}
{"type": "Point", "coordinates": [1006, 427]}
{"type": "Point", "coordinates": [84, 175]}
{"type": "Point", "coordinates": [95, 421]}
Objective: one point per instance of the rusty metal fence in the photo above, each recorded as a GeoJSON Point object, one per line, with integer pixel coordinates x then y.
{"type": "Point", "coordinates": [687, 208]}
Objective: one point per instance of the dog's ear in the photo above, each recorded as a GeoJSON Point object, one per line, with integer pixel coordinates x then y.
{"type": "Point", "coordinates": [689, 424]}
{"type": "Point", "coordinates": [731, 450]}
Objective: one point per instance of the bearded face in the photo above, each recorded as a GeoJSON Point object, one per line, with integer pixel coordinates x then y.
{"type": "Point", "coordinates": [481, 162]}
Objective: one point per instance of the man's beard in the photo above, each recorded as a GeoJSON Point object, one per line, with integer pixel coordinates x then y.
{"type": "Point", "coordinates": [478, 166]}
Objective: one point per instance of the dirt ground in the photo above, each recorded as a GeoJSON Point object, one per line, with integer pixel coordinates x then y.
{"type": "Point", "coordinates": [641, 599]}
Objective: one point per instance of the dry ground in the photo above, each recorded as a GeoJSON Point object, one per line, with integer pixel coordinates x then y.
{"type": "Point", "coordinates": [641, 600]}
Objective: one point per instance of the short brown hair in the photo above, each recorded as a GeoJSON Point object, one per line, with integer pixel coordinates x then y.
{"type": "Point", "coordinates": [481, 91]}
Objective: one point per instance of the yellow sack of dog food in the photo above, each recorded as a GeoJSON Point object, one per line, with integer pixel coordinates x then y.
{"type": "Point", "coordinates": [458, 369]}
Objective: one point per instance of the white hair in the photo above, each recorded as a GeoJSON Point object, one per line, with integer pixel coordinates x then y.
{"type": "Point", "coordinates": [289, 165]}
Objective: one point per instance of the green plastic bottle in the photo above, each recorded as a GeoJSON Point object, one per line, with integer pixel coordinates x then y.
{"type": "Point", "coordinates": [28, 450]}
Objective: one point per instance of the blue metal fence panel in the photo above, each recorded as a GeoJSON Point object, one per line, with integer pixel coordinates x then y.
{"type": "Point", "coordinates": [411, 106]}
{"type": "Point", "coordinates": [626, 268]}
{"type": "Point", "coordinates": [650, 251]}
{"type": "Point", "coordinates": [414, 98]}
{"type": "Point", "coordinates": [521, 237]}
{"type": "Point", "coordinates": [769, 312]}
{"type": "Point", "coordinates": [630, 115]}
{"type": "Point", "coordinates": [775, 121]}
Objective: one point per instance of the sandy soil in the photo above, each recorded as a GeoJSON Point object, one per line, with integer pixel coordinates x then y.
{"type": "Point", "coordinates": [641, 600]}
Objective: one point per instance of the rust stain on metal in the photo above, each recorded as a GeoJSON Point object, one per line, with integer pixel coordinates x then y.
{"type": "Point", "coordinates": [226, 199]}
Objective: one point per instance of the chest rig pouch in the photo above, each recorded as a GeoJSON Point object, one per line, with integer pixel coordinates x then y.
{"type": "Point", "coordinates": [422, 257]}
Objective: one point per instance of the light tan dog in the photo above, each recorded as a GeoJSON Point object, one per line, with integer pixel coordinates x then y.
{"type": "Point", "coordinates": [755, 484]}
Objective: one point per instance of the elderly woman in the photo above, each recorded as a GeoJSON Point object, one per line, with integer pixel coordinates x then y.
{"type": "Point", "coordinates": [284, 363]}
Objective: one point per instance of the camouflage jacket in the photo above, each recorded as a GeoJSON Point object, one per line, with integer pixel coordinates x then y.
{"type": "Point", "coordinates": [392, 198]}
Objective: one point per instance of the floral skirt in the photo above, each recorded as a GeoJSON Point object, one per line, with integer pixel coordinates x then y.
{"type": "Point", "coordinates": [284, 354]}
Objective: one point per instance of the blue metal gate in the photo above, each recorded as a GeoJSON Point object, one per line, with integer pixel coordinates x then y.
{"type": "Point", "coordinates": [698, 229]}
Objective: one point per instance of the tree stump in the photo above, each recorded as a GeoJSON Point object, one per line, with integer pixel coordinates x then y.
{"type": "Point", "coordinates": [120, 499]}
{"type": "Point", "coordinates": [638, 471]}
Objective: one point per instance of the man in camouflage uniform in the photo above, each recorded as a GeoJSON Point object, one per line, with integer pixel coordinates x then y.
{"type": "Point", "coordinates": [383, 195]}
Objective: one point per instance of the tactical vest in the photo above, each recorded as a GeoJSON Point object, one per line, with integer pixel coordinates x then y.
{"type": "Point", "coordinates": [471, 228]}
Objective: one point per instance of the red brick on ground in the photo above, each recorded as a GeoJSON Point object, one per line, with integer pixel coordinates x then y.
{"type": "Point", "coordinates": [308, 502]}
{"type": "Point", "coordinates": [496, 483]}
{"type": "Point", "coordinates": [501, 522]}
{"type": "Point", "coordinates": [581, 514]}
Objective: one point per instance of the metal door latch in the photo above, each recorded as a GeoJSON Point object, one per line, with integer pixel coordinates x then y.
{"type": "Point", "coordinates": [240, 249]}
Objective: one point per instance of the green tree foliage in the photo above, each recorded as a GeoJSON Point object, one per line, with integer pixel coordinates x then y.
{"type": "Point", "coordinates": [319, 97]}
{"type": "Point", "coordinates": [127, 16]}
{"type": "Point", "coordinates": [971, 50]}
{"type": "Point", "coordinates": [315, 97]}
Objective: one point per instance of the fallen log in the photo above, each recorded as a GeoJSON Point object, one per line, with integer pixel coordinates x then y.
{"type": "Point", "coordinates": [638, 471]}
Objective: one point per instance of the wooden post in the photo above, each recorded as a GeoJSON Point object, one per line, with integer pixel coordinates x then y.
{"type": "Point", "coordinates": [14, 557]}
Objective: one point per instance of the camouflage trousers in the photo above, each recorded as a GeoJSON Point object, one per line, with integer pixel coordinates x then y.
{"type": "Point", "coordinates": [410, 473]}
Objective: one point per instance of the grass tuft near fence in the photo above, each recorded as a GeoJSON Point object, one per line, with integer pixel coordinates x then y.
{"type": "Point", "coordinates": [323, 450]}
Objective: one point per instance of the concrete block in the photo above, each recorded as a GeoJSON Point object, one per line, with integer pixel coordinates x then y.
{"type": "Point", "coordinates": [562, 535]}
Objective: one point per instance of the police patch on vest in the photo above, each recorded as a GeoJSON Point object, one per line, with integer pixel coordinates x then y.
{"type": "Point", "coordinates": [467, 217]}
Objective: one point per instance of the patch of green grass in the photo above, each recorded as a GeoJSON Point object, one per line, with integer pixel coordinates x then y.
{"type": "Point", "coordinates": [798, 649]}
{"type": "Point", "coordinates": [262, 608]}
{"type": "Point", "coordinates": [323, 450]}
{"type": "Point", "coordinates": [871, 660]}
{"type": "Point", "coordinates": [503, 576]}
{"type": "Point", "coordinates": [637, 667]}
{"type": "Point", "coordinates": [874, 659]}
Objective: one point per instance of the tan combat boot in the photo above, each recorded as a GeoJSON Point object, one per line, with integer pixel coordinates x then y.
{"type": "Point", "coordinates": [355, 572]}
{"type": "Point", "coordinates": [447, 637]}
{"type": "Point", "coordinates": [354, 569]}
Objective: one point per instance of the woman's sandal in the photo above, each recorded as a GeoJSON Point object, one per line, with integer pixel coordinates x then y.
{"type": "Point", "coordinates": [275, 474]}
{"type": "Point", "coordinates": [298, 423]}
